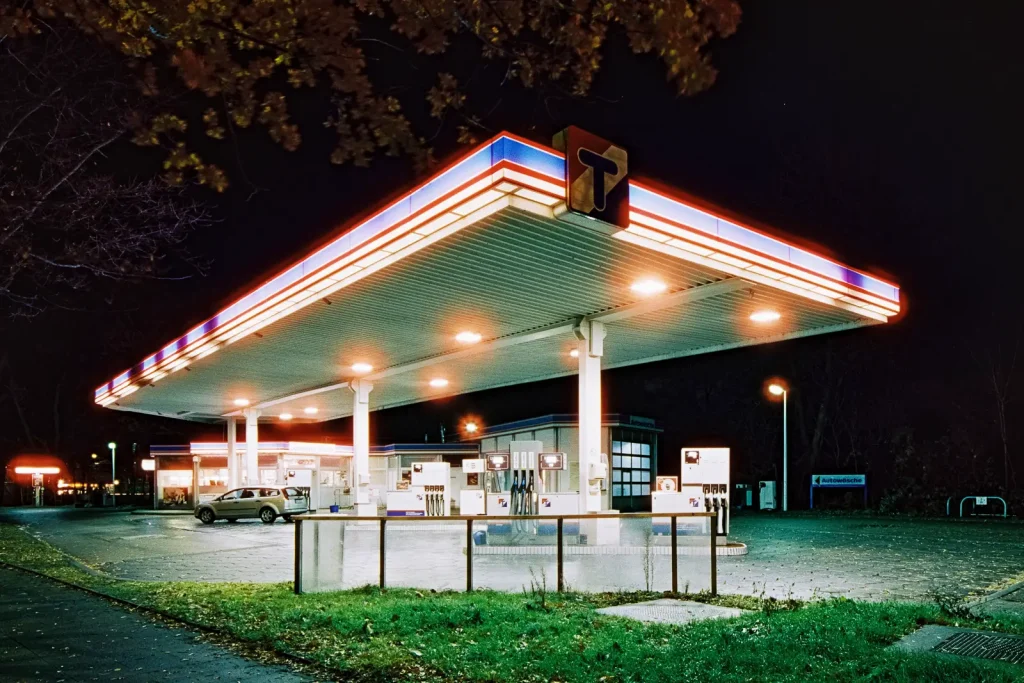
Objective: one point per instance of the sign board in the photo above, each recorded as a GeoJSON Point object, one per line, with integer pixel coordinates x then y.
{"type": "Point", "coordinates": [595, 176]}
{"type": "Point", "coordinates": [475, 465]}
{"type": "Point", "coordinates": [981, 500]}
{"type": "Point", "coordinates": [666, 484]}
{"type": "Point", "coordinates": [839, 481]}
{"type": "Point", "coordinates": [496, 462]}
{"type": "Point", "coordinates": [299, 462]}
{"type": "Point", "coordinates": [552, 461]}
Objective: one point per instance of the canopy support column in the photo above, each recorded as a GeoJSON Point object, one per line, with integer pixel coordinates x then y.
{"type": "Point", "coordinates": [252, 440]}
{"type": "Point", "coordinates": [590, 335]}
{"type": "Point", "coordinates": [361, 389]}
{"type": "Point", "coordinates": [232, 428]}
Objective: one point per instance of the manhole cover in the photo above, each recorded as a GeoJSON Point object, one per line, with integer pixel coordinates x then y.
{"type": "Point", "coordinates": [985, 646]}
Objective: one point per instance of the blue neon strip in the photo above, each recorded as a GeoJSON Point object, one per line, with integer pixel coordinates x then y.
{"type": "Point", "coordinates": [696, 219]}
{"type": "Point", "coordinates": [265, 445]}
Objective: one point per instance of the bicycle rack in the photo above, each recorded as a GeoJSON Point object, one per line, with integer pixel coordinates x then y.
{"type": "Point", "coordinates": [975, 498]}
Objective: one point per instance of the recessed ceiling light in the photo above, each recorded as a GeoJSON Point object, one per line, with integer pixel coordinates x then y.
{"type": "Point", "coordinates": [310, 410]}
{"type": "Point", "coordinates": [575, 353]}
{"type": "Point", "coordinates": [766, 316]}
{"type": "Point", "coordinates": [648, 287]}
{"type": "Point", "coordinates": [286, 416]}
{"type": "Point", "coordinates": [468, 337]}
{"type": "Point", "coordinates": [361, 368]}
{"type": "Point", "coordinates": [439, 382]}
{"type": "Point", "coordinates": [241, 402]}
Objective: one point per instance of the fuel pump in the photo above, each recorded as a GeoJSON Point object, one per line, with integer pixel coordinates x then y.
{"type": "Point", "coordinates": [426, 495]}
{"type": "Point", "coordinates": [705, 478]}
{"type": "Point", "coordinates": [473, 496]}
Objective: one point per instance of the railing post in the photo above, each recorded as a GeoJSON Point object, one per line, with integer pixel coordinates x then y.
{"type": "Point", "coordinates": [675, 550]}
{"type": "Point", "coordinates": [298, 557]}
{"type": "Point", "coordinates": [558, 554]}
{"type": "Point", "coordinates": [714, 553]}
{"type": "Point", "coordinates": [383, 520]}
{"type": "Point", "coordinates": [469, 555]}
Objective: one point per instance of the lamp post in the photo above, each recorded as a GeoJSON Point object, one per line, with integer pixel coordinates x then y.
{"type": "Point", "coordinates": [113, 471]}
{"type": "Point", "coordinates": [779, 390]}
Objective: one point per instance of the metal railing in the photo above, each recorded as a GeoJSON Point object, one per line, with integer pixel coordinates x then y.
{"type": "Point", "coordinates": [977, 501]}
{"type": "Point", "coordinates": [477, 521]}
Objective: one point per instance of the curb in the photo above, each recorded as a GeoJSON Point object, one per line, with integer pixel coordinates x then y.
{"type": "Point", "coordinates": [978, 602]}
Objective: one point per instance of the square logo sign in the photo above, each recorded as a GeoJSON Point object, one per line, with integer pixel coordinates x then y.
{"type": "Point", "coordinates": [595, 176]}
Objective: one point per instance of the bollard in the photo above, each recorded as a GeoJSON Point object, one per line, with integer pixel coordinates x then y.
{"type": "Point", "coordinates": [714, 554]}
{"type": "Point", "coordinates": [298, 557]}
{"type": "Point", "coordinates": [560, 572]}
{"type": "Point", "coordinates": [675, 553]}
{"type": "Point", "coordinates": [469, 555]}
{"type": "Point", "coordinates": [383, 520]}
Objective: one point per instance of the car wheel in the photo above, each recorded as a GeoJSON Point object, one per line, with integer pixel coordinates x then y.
{"type": "Point", "coordinates": [267, 516]}
{"type": "Point", "coordinates": [206, 516]}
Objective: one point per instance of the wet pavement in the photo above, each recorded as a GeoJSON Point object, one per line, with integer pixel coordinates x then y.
{"type": "Point", "coordinates": [801, 555]}
{"type": "Point", "coordinates": [52, 633]}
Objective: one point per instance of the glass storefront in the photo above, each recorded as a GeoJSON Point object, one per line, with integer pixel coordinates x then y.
{"type": "Point", "coordinates": [634, 462]}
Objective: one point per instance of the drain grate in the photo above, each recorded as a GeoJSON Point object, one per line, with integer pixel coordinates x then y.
{"type": "Point", "coordinates": [985, 646]}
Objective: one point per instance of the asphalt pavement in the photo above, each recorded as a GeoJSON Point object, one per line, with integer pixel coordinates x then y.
{"type": "Point", "coordinates": [52, 633]}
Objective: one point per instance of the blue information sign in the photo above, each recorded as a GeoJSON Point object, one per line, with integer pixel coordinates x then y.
{"type": "Point", "coordinates": [839, 481]}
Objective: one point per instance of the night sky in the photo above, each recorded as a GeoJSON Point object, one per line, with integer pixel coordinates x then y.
{"type": "Point", "coordinates": [890, 132]}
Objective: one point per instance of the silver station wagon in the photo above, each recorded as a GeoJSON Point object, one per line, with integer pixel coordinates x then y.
{"type": "Point", "coordinates": [250, 502]}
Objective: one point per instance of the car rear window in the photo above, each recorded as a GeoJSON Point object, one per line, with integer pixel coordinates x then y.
{"type": "Point", "coordinates": [293, 493]}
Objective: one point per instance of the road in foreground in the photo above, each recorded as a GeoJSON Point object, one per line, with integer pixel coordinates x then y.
{"type": "Point", "coordinates": [53, 633]}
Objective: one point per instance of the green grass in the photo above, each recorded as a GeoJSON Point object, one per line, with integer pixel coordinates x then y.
{"type": "Point", "coordinates": [367, 635]}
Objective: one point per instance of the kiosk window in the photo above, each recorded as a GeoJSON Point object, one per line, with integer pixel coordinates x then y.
{"type": "Point", "coordinates": [634, 457]}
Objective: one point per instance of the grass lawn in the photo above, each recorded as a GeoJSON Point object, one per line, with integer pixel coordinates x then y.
{"type": "Point", "coordinates": [367, 635]}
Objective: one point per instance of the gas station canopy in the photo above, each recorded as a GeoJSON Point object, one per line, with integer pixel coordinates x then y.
{"type": "Point", "coordinates": [480, 278]}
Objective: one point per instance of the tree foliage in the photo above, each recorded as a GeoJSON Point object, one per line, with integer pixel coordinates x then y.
{"type": "Point", "coordinates": [249, 60]}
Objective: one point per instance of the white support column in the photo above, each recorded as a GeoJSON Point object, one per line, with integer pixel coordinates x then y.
{"type": "Point", "coordinates": [590, 334]}
{"type": "Point", "coordinates": [233, 477]}
{"type": "Point", "coordinates": [361, 389]}
{"type": "Point", "coordinates": [252, 440]}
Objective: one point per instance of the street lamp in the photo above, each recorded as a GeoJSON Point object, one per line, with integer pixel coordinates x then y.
{"type": "Point", "coordinates": [779, 390]}
{"type": "Point", "coordinates": [113, 471]}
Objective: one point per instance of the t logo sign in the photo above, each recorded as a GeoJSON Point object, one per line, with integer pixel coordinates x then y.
{"type": "Point", "coordinates": [595, 176]}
